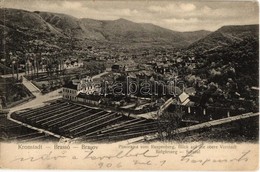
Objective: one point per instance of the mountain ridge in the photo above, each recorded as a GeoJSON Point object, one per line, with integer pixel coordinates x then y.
{"type": "Point", "coordinates": [57, 29]}
{"type": "Point", "coordinates": [226, 35]}
{"type": "Point", "coordinates": [120, 30]}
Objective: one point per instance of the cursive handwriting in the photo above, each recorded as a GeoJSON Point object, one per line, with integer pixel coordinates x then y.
{"type": "Point", "coordinates": [43, 157]}
{"type": "Point", "coordinates": [91, 155]}
{"type": "Point", "coordinates": [141, 157]}
{"type": "Point", "coordinates": [191, 158]}
{"type": "Point", "coordinates": [192, 152]}
{"type": "Point", "coordinates": [122, 154]}
{"type": "Point", "coordinates": [138, 162]}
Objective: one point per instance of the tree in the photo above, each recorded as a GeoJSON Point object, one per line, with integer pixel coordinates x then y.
{"type": "Point", "coordinates": [51, 83]}
{"type": "Point", "coordinates": [44, 87]}
{"type": "Point", "coordinates": [168, 122]}
{"type": "Point", "coordinates": [67, 79]}
{"type": "Point", "coordinates": [21, 79]}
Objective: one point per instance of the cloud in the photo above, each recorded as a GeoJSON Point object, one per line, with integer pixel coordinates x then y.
{"type": "Point", "coordinates": [173, 7]}
{"type": "Point", "coordinates": [71, 5]}
{"type": "Point", "coordinates": [187, 6]}
{"type": "Point", "coordinates": [181, 21]}
{"type": "Point", "coordinates": [122, 12]}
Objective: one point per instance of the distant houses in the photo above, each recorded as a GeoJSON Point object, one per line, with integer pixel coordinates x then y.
{"type": "Point", "coordinates": [72, 63]}
{"type": "Point", "coordinates": [117, 68]}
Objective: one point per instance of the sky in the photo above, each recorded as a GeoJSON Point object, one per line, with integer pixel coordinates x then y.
{"type": "Point", "coordinates": [181, 15]}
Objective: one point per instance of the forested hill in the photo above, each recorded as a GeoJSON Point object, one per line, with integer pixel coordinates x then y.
{"type": "Point", "coordinates": [229, 54]}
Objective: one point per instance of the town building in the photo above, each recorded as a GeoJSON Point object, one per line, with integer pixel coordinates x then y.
{"type": "Point", "coordinates": [71, 90]}
{"type": "Point", "coordinates": [87, 85]}
{"type": "Point", "coordinates": [88, 99]}
{"type": "Point", "coordinates": [117, 68]}
{"type": "Point", "coordinates": [75, 87]}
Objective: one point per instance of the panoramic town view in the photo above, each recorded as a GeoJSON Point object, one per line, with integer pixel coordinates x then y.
{"type": "Point", "coordinates": [69, 76]}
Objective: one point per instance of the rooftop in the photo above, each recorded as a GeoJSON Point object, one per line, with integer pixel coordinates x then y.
{"type": "Point", "coordinates": [89, 97]}
{"type": "Point", "coordinates": [70, 85]}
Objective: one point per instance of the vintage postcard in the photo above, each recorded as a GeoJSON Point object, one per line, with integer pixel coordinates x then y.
{"type": "Point", "coordinates": [137, 85]}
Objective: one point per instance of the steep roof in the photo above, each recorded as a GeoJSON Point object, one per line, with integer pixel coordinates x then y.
{"type": "Point", "coordinates": [183, 97]}
{"type": "Point", "coordinates": [190, 90]}
{"type": "Point", "coordinates": [70, 85]}
{"type": "Point", "coordinates": [89, 97]}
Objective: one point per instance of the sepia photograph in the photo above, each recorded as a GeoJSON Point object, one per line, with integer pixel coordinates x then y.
{"type": "Point", "coordinates": [94, 84]}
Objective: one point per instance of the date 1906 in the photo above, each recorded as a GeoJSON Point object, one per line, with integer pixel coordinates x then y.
{"type": "Point", "coordinates": [106, 165]}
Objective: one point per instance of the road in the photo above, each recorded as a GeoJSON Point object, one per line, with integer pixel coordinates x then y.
{"type": "Point", "coordinates": [11, 75]}
{"type": "Point", "coordinates": [39, 100]}
{"type": "Point", "coordinates": [31, 87]}
{"type": "Point", "coordinates": [23, 73]}
{"type": "Point", "coordinates": [99, 75]}
{"type": "Point", "coordinates": [39, 97]}
{"type": "Point", "coordinates": [20, 74]}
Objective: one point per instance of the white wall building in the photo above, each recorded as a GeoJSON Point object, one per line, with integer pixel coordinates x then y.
{"type": "Point", "coordinates": [87, 85]}
{"type": "Point", "coordinates": [71, 90]}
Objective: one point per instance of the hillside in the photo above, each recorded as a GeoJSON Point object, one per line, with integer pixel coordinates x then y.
{"type": "Point", "coordinates": [120, 30]}
{"type": "Point", "coordinates": [191, 37]}
{"type": "Point", "coordinates": [230, 53]}
{"type": "Point", "coordinates": [51, 26]}
{"type": "Point", "coordinates": [226, 35]}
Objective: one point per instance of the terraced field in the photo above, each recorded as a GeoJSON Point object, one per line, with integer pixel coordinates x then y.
{"type": "Point", "coordinates": [76, 121]}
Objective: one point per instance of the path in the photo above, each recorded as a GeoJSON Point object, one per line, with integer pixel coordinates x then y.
{"type": "Point", "coordinates": [99, 75]}
{"type": "Point", "coordinates": [31, 87]}
{"type": "Point", "coordinates": [39, 97]}
{"type": "Point", "coordinates": [39, 100]}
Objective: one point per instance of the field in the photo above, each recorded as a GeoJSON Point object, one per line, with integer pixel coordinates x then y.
{"type": "Point", "coordinates": [76, 121]}
{"type": "Point", "coordinates": [11, 131]}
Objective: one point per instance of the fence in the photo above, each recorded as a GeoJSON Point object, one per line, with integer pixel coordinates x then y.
{"type": "Point", "coordinates": [209, 113]}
